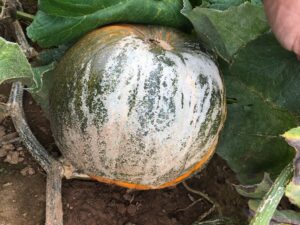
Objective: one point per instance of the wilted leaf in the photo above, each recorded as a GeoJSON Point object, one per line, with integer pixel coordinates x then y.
{"type": "Point", "coordinates": [217, 221]}
{"type": "Point", "coordinates": [257, 191]}
{"type": "Point", "coordinates": [58, 22]}
{"type": "Point", "coordinates": [293, 189]}
{"type": "Point", "coordinates": [293, 193]}
{"type": "Point", "coordinates": [227, 31]}
{"type": "Point", "coordinates": [264, 79]}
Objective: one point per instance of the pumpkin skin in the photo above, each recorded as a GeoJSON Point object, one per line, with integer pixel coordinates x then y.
{"type": "Point", "coordinates": [138, 106]}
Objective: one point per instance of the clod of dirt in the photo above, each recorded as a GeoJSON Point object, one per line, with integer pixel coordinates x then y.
{"type": "Point", "coordinates": [3, 152]}
{"type": "Point", "coordinates": [13, 157]}
{"type": "Point", "coordinates": [2, 131]}
{"type": "Point", "coordinates": [9, 137]}
{"type": "Point", "coordinates": [131, 210]}
{"type": "Point", "coordinates": [28, 170]}
{"type": "Point", "coordinates": [8, 147]}
{"type": "Point", "coordinates": [121, 208]}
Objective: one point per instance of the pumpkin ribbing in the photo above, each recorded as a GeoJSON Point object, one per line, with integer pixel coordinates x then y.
{"type": "Point", "coordinates": [136, 104]}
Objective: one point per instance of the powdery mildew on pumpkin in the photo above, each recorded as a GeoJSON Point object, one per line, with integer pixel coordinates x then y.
{"type": "Point", "coordinates": [162, 108]}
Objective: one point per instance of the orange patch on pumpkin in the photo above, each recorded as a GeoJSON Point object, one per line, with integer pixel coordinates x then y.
{"type": "Point", "coordinates": [196, 167]}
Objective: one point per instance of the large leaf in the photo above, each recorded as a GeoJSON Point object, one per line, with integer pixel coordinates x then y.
{"type": "Point", "coordinates": [264, 79]}
{"type": "Point", "coordinates": [13, 63]}
{"type": "Point", "coordinates": [227, 31]}
{"type": "Point", "coordinates": [14, 66]}
{"type": "Point", "coordinates": [221, 4]}
{"type": "Point", "coordinates": [58, 22]}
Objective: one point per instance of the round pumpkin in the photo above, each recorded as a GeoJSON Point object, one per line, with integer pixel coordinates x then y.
{"type": "Point", "coordinates": [138, 106]}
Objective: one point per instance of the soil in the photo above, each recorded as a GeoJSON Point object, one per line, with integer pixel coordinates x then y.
{"type": "Point", "coordinates": [22, 183]}
{"type": "Point", "coordinates": [22, 189]}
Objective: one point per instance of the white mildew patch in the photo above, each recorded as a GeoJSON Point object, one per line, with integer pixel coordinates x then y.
{"type": "Point", "coordinates": [155, 133]}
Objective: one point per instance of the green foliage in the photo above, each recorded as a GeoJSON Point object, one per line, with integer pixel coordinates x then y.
{"type": "Point", "coordinates": [14, 66]}
{"type": "Point", "coordinates": [221, 4]}
{"type": "Point", "coordinates": [13, 63]}
{"type": "Point", "coordinates": [268, 205]}
{"type": "Point", "coordinates": [227, 31]}
{"type": "Point", "coordinates": [267, 194]}
{"type": "Point", "coordinates": [264, 80]}
{"type": "Point", "coordinates": [280, 217]}
{"type": "Point", "coordinates": [59, 22]}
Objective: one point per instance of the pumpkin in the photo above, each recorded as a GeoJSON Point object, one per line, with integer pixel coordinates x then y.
{"type": "Point", "coordinates": [138, 106]}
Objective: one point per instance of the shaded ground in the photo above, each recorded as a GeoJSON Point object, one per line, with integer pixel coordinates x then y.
{"type": "Point", "coordinates": [22, 191]}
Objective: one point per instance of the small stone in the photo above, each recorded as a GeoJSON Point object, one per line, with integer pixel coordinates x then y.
{"type": "Point", "coordinates": [129, 223]}
{"type": "Point", "coordinates": [131, 209]}
{"type": "Point", "coordinates": [28, 170]}
{"type": "Point", "coordinates": [3, 152]}
{"type": "Point", "coordinates": [12, 157]}
{"type": "Point", "coordinates": [7, 184]}
{"type": "Point", "coordinates": [21, 159]}
{"type": "Point", "coordinates": [20, 148]}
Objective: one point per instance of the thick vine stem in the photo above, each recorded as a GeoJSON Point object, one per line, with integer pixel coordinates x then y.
{"type": "Point", "coordinates": [54, 211]}
{"type": "Point", "coordinates": [22, 41]}
{"type": "Point", "coordinates": [15, 105]}
{"type": "Point", "coordinates": [53, 168]}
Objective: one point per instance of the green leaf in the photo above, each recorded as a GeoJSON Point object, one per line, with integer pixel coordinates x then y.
{"type": "Point", "coordinates": [45, 80]}
{"type": "Point", "coordinates": [264, 80]}
{"type": "Point", "coordinates": [227, 31]}
{"type": "Point", "coordinates": [14, 64]}
{"type": "Point", "coordinates": [221, 4]}
{"type": "Point", "coordinates": [268, 205]}
{"type": "Point", "coordinates": [280, 217]}
{"type": "Point", "coordinates": [58, 22]}
{"type": "Point", "coordinates": [38, 76]}
{"type": "Point", "coordinates": [272, 72]}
